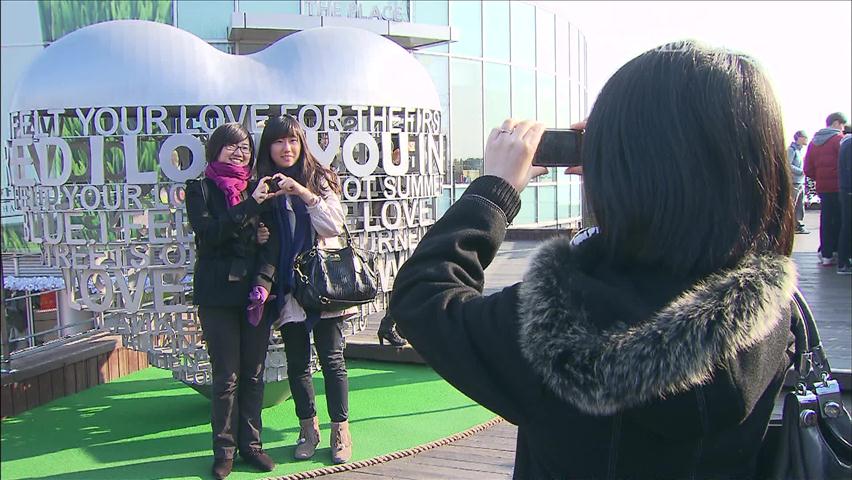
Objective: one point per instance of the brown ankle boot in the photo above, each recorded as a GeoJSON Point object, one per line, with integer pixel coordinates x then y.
{"type": "Point", "coordinates": [309, 437]}
{"type": "Point", "coordinates": [341, 442]}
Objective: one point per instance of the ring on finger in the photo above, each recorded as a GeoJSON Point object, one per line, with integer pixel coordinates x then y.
{"type": "Point", "coordinates": [504, 130]}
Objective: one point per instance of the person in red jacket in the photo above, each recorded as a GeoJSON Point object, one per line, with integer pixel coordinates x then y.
{"type": "Point", "coordinates": [821, 165]}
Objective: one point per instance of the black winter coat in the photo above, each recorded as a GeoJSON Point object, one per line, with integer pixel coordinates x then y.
{"type": "Point", "coordinates": [225, 245]}
{"type": "Point", "coordinates": [608, 372]}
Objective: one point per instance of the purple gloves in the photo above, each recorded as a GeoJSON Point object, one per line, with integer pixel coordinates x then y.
{"type": "Point", "coordinates": [257, 297]}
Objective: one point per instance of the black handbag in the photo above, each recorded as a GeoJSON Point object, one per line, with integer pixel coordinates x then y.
{"type": "Point", "coordinates": [814, 439]}
{"type": "Point", "coordinates": [334, 279]}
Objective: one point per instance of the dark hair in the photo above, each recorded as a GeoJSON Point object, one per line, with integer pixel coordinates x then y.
{"type": "Point", "coordinates": [684, 161]}
{"type": "Point", "coordinates": [835, 117]}
{"type": "Point", "coordinates": [227, 134]}
{"type": "Point", "coordinates": [799, 134]}
{"type": "Point", "coordinates": [311, 174]}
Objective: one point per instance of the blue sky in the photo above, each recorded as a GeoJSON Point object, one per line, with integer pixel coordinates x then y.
{"type": "Point", "coordinates": [803, 46]}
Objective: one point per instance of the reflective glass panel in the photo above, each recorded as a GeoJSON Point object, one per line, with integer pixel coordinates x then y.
{"type": "Point", "coordinates": [439, 71]}
{"type": "Point", "coordinates": [444, 201]}
{"type": "Point", "coordinates": [16, 61]}
{"type": "Point", "coordinates": [61, 18]}
{"type": "Point", "coordinates": [20, 25]}
{"type": "Point", "coordinates": [523, 94]}
{"type": "Point", "coordinates": [466, 128]}
{"type": "Point", "coordinates": [547, 202]}
{"type": "Point", "coordinates": [223, 46]}
{"type": "Point", "coordinates": [523, 34]}
{"type": "Point", "coordinates": [545, 41]}
{"type": "Point", "coordinates": [578, 102]}
{"type": "Point", "coordinates": [208, 19]}
{"type": "Point", "coordinates": [498, 101]}
{"type": "Point", "coordinates": [568, 193]}
{"type": "Point", "coordinates": [563, 47]}
{"type": "Point", "coordinates": [467, 17]}
{"type": "Point", "coordinates": [546, 101]}
{"type": "Point", "coordinates": [546, 92]}
{"type": "Point", "coordinates": [581, 60]}
{"type": "Point", "coordinates": [526, 215]}
{"type": "Point", "coordinates": [434, 12]}
{"type": "Point", "coordinates": [264, 6]}
{"type": "Point", "coordinates": [495, 28]}
{"type": "Point", "coordinates": [563, 102]}
{"type": "Point", "coordinates": [574, 58]}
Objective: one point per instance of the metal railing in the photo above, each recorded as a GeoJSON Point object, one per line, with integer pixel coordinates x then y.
{"type": "Point", "coordinates": [27, 329]}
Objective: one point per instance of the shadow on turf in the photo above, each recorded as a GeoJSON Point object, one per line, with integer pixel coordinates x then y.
{"type": "Point", "coordinates": [199, 466]}
{"type": "Point", "coordinates": [107, 422]}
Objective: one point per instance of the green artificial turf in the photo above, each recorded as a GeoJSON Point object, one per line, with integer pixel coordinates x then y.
{"type": "Point", "coordinates": [148, 425]}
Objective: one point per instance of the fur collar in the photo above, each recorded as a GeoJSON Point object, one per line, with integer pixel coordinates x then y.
{"type": "Point", "coordinates": [677, 348]}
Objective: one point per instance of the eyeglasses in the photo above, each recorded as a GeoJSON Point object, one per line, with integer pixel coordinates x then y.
{"type": "Point", "coordinates": [245, 150]}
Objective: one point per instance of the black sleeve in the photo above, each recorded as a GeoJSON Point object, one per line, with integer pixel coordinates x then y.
{"type": "Point", "coordinates": [469, 339]}
{"type": "Point", "coordinates": [267, 255]}
{"type": "Point", "coordinates": [216, 231]}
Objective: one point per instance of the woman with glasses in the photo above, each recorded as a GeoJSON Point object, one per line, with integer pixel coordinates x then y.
{"type": "Point", "coordinates": [309, 211]}
{"type": "Point", "coordinates": [224, 211]}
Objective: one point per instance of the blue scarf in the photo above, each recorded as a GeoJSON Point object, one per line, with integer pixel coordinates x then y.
{"type": "Point", "coordinates": [292, 243]}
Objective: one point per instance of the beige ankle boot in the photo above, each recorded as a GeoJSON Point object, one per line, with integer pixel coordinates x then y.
{"type": "Point", "coordinates": [341, 442]}
{"type": "Point", "coordinates": [309, 437]}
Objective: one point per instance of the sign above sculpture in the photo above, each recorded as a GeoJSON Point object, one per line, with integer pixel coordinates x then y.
{"type": "Point", "coordinates": [394, 11]}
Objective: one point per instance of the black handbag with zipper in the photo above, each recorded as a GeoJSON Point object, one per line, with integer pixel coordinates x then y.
{"type": "Point", "coordinates": [814, 439]}
{"type": "Point", "coordinates": [334, 279]}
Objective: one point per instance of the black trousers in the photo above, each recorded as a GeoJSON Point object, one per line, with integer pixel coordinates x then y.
{"type": "Point", "coordinates": [328, 340]}
{"type": "Point", "coordinates": [829, 223]}
{"type": "Point", "coordinates": [799, 198]}
{"type": "Point", "coordinates": [237, 354]}
{"type": "Point", "coordinates": [844, 248]}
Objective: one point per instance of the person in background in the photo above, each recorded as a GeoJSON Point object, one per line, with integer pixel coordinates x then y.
{"type": "Point", "coordinates": [795, 156]}
{"type": "Point", "coordinates": [224, 209]}
{"type": "Point", "coordinates": [387, 327]}
{"type": "Point", "coordinates": [844, 170]}
{"type": "Point", "coordinates": [308, 211]}
{"type": "Point", "coordinates": [821, 165]}
{"type": "Point", "coordinates": [656, 347]}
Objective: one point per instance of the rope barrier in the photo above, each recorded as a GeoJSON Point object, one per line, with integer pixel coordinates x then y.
{"type": "Point", "coordinates": [390, 456]}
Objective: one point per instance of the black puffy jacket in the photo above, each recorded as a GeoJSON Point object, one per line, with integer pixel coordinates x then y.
{"type": "Point", "coordinates": [609, 372]}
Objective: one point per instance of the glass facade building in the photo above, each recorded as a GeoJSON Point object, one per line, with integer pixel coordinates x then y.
{"type": "Point", "coordinates": [502, 59]}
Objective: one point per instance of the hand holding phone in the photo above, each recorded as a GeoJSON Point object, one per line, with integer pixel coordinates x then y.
{"type": "Point", "coordinates": [509, 151]}
{"type": "Point", "coordinates": [559, 148]}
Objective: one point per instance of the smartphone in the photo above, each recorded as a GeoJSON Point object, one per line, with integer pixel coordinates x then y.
{"type": "Point", "coordinates": [559, 148]}
{"type": "Point", "coordinates": [272, 185]}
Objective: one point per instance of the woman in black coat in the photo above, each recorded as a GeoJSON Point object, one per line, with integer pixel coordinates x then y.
{"type": "Point", "coordinates": [224, 210]}
{"type": "Point", "coordinates": [655, 345]}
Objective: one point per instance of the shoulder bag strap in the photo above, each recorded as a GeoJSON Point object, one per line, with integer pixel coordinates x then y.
{"type": "Point", "coordinates": [810, 360]}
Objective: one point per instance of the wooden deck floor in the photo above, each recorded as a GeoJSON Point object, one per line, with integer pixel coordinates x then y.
{"type": "Point", "coordinates": [489, 454]}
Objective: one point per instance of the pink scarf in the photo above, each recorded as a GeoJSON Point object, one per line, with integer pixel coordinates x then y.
{"type": "Point", "coordinates": [230, 178]}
